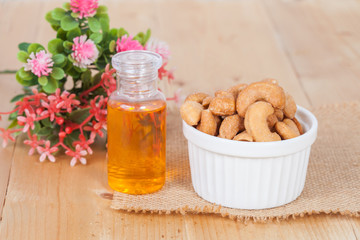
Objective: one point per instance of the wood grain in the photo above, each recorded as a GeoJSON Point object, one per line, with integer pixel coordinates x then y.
{"type": "Point", "coordinates": [311, 46]}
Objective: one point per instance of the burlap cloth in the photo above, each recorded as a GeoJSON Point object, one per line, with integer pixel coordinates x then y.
{"type": "Point", "coordinates": [332, 182]}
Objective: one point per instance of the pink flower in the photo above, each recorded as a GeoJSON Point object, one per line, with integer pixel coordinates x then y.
{"type": "Point", "coordinates": [99, 110]}
{"type": "Point", "coordinates": [162, 48]}
{"type": "Point", "coordinates": [6, 135]}
{"type": "Point", "coordinates": [39, 64]}
{"type": "Point", "coordinates": [84, 52]}
{"type": "Point", "coordinates": [95, 129]}
{"type": "Point", "coordinates": [47, 151]}
{"type": "Point", "coordinates": [86, 8]}
{"type": "Point", "coordinates": [127, 43]}
{"type": "Point", "coordinates": [33, 142]}
{"type": "Point", "coordinates": [50, 107]}
{"type": "Point", "coordinates": [84, 143]}
{"type": "Point", "coordinates": [65, 100]}
{"type": "Point", "coordinates": [36, 98]}
{"type": "Point", "coordinates": [28, 120]}
{"type": "Point", "coordinates": [109, 82]}
{"type": "Point", "coordinates": [77, 155]}
{"type": "Point", "coordinates": [165, 73]}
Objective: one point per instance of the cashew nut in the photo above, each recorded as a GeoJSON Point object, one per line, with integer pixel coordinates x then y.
{"type": "Point", "coordinates": [197, 97]}
{"type": "Point", "coordinates": [234, 90]}
{"type": "Point", "coordinates": [287, 129]}
{"type": "Point", "coordinates": [223, 104]}
{"type": "Point", "coordinates": [290, 106]}
{"type": "Point", "coordinates": [272, 120]}
{"type": "Point", "coordinates": [208, 123]}
{"type": "Point", "coordinates": [256, 122]}
{"type": "Point", "coordinates": [243, 136]}
{"type": "Point", "coordinates": [301, 131]}
{"type": "Point", "coordinates": [258, 91]}
{"type": "Point", "coordinates": [190, 111]}
{"type": "Point", "coordinates": [279, 114]}
{"type": "Point", "coordinates": [230, 126]}
{"type": "Point", "coordinates": [206, 101]}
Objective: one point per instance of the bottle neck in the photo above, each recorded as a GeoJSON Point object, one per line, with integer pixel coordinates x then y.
{"type": "Point", "coordinates": [137, 87]}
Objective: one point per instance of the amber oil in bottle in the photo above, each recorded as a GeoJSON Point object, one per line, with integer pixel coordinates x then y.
{"type": "Point", "coordinates": [136, 125]}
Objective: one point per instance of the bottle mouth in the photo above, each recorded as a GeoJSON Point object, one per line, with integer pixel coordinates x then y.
{"type": "Point", "coordinates": [136, 64]}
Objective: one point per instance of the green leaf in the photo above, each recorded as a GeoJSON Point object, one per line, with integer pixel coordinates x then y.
{"type": "Point", "coordinates": [61, 34]}
{"type": "Point", "coordinates": [147, 37]}
{"type": "Point", "coordinates": [51, 86]}
{"type": "Point", "coordinates": [80, 70]}
{"type": "Point", "coordinates": [96, 79]}
{"type": "Point", "coordinates": [75, 15]}
{"type": "Point", "coordinates": [57, 73]}
{"type": "Point", "coordinates": [58, 59]}
{"type": "Point", "coordinates": [78, 116]}
{"type": "Point", "coordinates": [35, 47]}
{"type": "Point", "coordinates": [46, 122]}
{"type": "Point", "coordinates": [114, 33]}
{"type": "Point", "coordinates": [101, 9]}
{"type": "Point", "coordinates": [23, 46]}
{"type": "Point", "coordinates": [67, 45]}
{"type": "Point", "coordinates": [66, 6]}
{"type": "Point", "coordinates": [13, 115]}
{"type": "Point", "coordinates": [104, 22]}
{"type": "Point", "coordinates": [55, 27]}
{"type": "Point", "coordinates": [55, 46]}
{"type": "Point", "coordinates": [45, 131]}
{"type": "Point", "coordinates": [112, 46]}
{"type": "Point", "coordinates": [86, 79]}
{"type": "Point", "coordinates": [94, 24]}
{"type": "Point", "coordinates": [43, 80]}
{"type": "Point", "coordinates": [58, 13]}
{"type": "Point", "coordinates": [122, 32]}
{"type": "Point", "coordinates": [18, 97]}
{"type": "Point", "coordinates": [22, 56]}
{"type": "Point", "coordinates": [13, 124]}
{"type": "Point", "coordinates": [37, 127]}
{"type": "Point", "coordinates": [68, 23]}
{"type": "Point", "coordinates": [71, 59]}
{"type": "Point", "coordinates": [96, 37]}
{"type": "Point", "coordinates": [25, 75]}
{"type": "Point", "coordinates": [73, 33]}
{"type": "Point", "coordinates": [51, 20]}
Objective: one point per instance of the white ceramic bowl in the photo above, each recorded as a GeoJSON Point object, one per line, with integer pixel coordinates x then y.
{"type": "Point", "coordinates": [250, 175]}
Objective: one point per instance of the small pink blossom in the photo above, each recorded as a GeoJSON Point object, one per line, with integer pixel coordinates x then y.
{"type": "Point", "coordinates": [127, 43]}
{"type": "Point", "coordinates": [163, 72]}
{"type": "Point", "coordinates": [6, 135]}
{"type": "Point", "coordinates": [84, 143]}
{"type": "Point", "coordinates": [160, 47]}
{"type": "Point", "coordinates": [39, 64]}
{"type": "Point", "coordinates": [50, 107]}
{"type": "Point", "coordinates": [28, 120]}
{"type": "Point", "coordinates": [36, 98]}
{"type": "Point", "coordinates": [33, 142]}
{"type": "Point", "coordinates": [47, 151]}
{"type": "Point", "coordinates": [84, 52]}
{"type": "Point", "coordinates": [95, 129]}
{"type": "Point", "coordinates": [65, 100]}
{"type": "Point", "coordinates": [109, 82]}
{"type": "Point", "coordinates": [99, 109]}
{"type": "Point", "coordinates": [77, 155]}
{"type": "Point", "coordinates": [85, 8]}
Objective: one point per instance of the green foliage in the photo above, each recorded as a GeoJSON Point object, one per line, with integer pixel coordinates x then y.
{"type": "Point", "coordinates": [55, 46]}
{"type": "Point", "coordinates": [43, 80]}
{"type": "Point", "coordinates": [22, 56]}
{"type": "Point", "coordinates": [51, 86]}
{"type": "Point", "coordinates": [58, 13]}
{"type": "Point", "coordinates": [57, 73]}
{"type": "Point", "coordinates": [94, 24]}
{"type": "Point", "coordinates": [68, 23]}
{"type": "Point", "coordinates": [35, 47]}
{"type": "Point", "coordinates": [78, 116]}
{"type": "Point", "coordinates": [96, 37]}
{"type": "Point", "coordinates": [23, 46]}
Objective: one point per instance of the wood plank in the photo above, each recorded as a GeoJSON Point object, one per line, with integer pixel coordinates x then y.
{"type": "Point", "coordinates": [317, 53]}
{"type": "Point", "coordinates": [6, 154]}
{"type": "Point", "coordinates": [55, 201]}
{"type": "Point", "coordinates": [219, 44]}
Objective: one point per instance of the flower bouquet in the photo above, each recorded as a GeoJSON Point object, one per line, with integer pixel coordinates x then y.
{"type": "Point", "coordinates": [67, 85]}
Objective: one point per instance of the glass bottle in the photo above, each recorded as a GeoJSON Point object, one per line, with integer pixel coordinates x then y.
{"type": "Point", "coordinates": [136, 125]}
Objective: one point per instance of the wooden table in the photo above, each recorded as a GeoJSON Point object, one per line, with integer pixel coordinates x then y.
{"type": "Point", "coordinates": [311, 46]}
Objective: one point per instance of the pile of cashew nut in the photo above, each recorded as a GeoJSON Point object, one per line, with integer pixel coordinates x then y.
{"type": "Point", "coordinates": [258, 112]}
